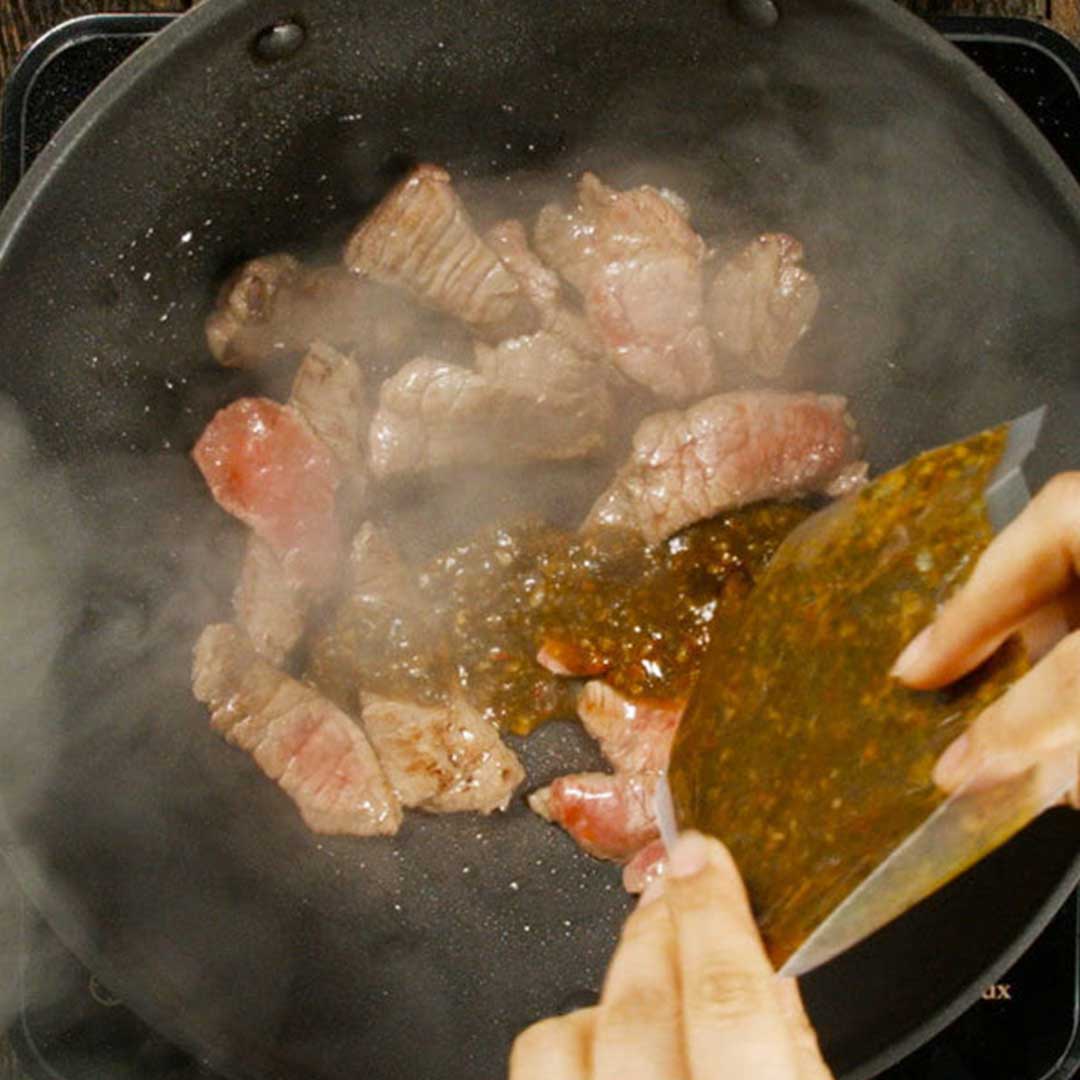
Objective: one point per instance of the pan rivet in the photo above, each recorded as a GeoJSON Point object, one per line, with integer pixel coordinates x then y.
{"type": "Point", "coordinates": [579, 999]}
{"type": "Point", "coordinates": [279, 42]}
{"type": "Point", "coordinates": [759, 14]}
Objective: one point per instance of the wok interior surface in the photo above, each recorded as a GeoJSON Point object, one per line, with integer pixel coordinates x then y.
{"type": "Point", "coordinates": [947, 243]}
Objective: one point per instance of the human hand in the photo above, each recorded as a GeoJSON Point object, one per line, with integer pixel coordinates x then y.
{"type": "Point", "coordinates": [689, 993]}
{"type": "Point", "coordinates": [1029, 574]}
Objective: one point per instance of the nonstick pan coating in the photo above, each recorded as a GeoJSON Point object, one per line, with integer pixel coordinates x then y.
{"type": "Point", "coordinates": [947, 240]}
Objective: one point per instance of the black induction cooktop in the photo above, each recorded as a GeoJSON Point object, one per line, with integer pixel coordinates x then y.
{"type": "Point", "coordinates": [71, 1027]}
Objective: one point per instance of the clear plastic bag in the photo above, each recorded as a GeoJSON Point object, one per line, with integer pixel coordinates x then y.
{"type": "Point", "coordinates": [806, 758]}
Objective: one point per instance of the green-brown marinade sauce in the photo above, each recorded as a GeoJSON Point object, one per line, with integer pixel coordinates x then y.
{"type": "Point", "coordinates": [603, 602]}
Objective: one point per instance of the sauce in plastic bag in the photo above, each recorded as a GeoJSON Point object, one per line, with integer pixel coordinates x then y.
{"type": "Point", "coordinates": [798, 749]}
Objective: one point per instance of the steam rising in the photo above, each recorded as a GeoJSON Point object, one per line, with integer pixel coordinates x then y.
{"type": "Point", "coordinates": [893, 205]}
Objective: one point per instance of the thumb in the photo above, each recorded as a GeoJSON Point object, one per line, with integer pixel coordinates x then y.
{"type": "Point", "coordinates": [1036, 717]}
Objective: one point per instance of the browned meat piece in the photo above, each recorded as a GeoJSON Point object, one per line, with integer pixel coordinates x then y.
{"type": "Point", "coordinates": [274, 307]}
{"type": "Point", "coordinates": [420, 237]}
{"type": "Point", "coordinates": [377, 573]}
{"type": "Point", "coordinates": [314, 751]}
{"type": "Point", "coordinates": [381, 638]}
{"type": "Point", "coordinates": [543, 288]}
{"type": "Point", "coordinates": [727, 451]}
{"type": "Point", "coordinates": [540, 284]}
{"type": "Point", "coordinates": [567, 242]}
{"type": "Point", "coordinates": [444, 758]}
{"type": "Point", "coordinates": [635, 736]}
{"type": "Point", "coordinates": [264, 464]}
{"type": "Point", "coordinates": [530, 399]}
{"type": "Point", "coordinates": [328, 393]}
{"type": "Point", "coordinates": [610, 816]}
{"type": "Point", "coordinates": [269, 605]}
{"type": "Point", "coordinates": [243, 331]}
{"type": "Point", "coordinates": [637, 263]}
{"type": "Point", "coordinates": [760, 304]}
{"type": "Point", "coordinates": [649, 864]}
{"type": "Point", "coordinates": [647, 311]}
{"type": "Point", "coordinates": [642, 219]}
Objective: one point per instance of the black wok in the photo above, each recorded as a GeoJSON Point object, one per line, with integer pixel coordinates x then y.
{"type": "Point", "coordinates": [947, 239]}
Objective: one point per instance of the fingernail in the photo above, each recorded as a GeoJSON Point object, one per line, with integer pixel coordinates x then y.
{"type": "Point", "coordinates": [653, 891]}
{"type": "Point", "coordinates": [690, 855]}
{"type": "Point", "coordinates": [953, 765]}
{"type": "Point", "coordinates": [912, 657]}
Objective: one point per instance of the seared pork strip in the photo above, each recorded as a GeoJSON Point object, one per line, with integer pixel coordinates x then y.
{"type": "Point", "coordinates": [269, 606]}
{"type": "Point", "coordinates": [273, 306]}
{"type": "Point", "coordinates": [562, 658]}
{"type": "Point", "coordinates": [244, 329]}
{"type": "Point", "coordinates": [542, 286]}
{"type": "Point", "coordinates": [635, 736]}
{"type": "Point", "coordinates": [263, 464]}
{"type": "Point", "coordinates": [420, 238]}
{"type": "Point", "coordinates": [530, 399]}
{"type": "Point", "coordinates": [649, 864]}
{"type": "Point", "coordinates": [566, 241]}
{"type": "Point", "coordinates": [638, 265]}
{"type": "Point", "coordinates": [380, 634]}
{"type": "Point", "coordinates": [315, 752]}
{"type": "Point", "coordinates": [328, 392]}
{"type": "Point", "coordinates": [442, 755]}
{"type": "Point", "coordinates": [444, 758]}
{"type": "Point", "coordinates": [760, 304]}
{"type": "Point", "coordinates": [610, 816]}
{"type": "Point", "coordinates": [377, 572]}
{"type": "Point", "coordinates": [728, 451]}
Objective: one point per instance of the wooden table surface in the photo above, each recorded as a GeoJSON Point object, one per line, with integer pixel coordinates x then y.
{"type": "Point", "coordinates": [21, 21]}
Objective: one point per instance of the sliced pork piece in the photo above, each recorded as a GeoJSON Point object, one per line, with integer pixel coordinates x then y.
{"type": "Point", "coordinates": [530, 399]}
{"type": "Point", "coordinates": [539, 283]}
{"type": "Point", "coordinates": [420, 238]}
{"type": "Point", "coordinates": [638, 265]}
{"type": "Point", "coordinates": [243, 330]}
{"type": "Point", "coordinates": [727, 451]}
{"type": "Point", "coordinates": [328, 393]}
{"type": "Point", "coordinates": [444, 758]}
{"type": "Point", "coordinates": [377, 572]}
{"type": "Point", "coordinates": [760, 304]}
{"type": "Point", "coordinates": [269, 606]}
{"type": "Point", "coordinates": [647, 310]}
{"type": "Point", "coordinates": [610, 816]}
{"type": "Point", "coordinates": [440, 755]}
{"type": "Point", "coordinates": [380, 638]}
{"type": "Point", "coordinates": [635, 736]}
{"type": "Point", "coordinates": [641, 219]}
{"type": "Point", "coordinates": [314, 751]}
{"type": "Point", "coordinates": [274, 306]}
{"type": "Point", "coordinates": [562, 657]}
{"type": "Point", "coordinates": [542, 286]}
{"type": "Point", "coordinates": [647, 866]}
{"type": "Point", "coordinates": [264, 465]}
{"type": "Point", "coordinates": [567, 242]}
